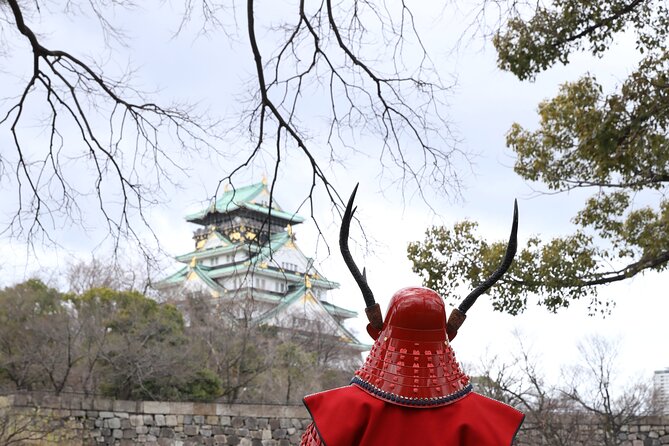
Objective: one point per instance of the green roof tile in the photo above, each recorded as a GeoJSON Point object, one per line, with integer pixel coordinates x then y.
{"type": "Point", "coordinates": [242, 197]}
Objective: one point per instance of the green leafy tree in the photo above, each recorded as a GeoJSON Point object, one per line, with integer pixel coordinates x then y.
{"type": "Point", "coordinates": [614, 144]}
{"type": "Point", "coordinates": [39, 338]}
{"type": "Point", "coordinates": [140, 348]}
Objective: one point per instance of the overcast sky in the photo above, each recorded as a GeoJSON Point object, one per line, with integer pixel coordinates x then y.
{"type": "Point", "coordinates": [213, 71]}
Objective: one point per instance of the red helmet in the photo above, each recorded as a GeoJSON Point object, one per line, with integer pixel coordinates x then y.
{"type": "Point", "coordinates": [411, 362]}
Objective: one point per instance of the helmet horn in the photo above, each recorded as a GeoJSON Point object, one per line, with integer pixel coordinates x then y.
{"type": "Point", "coordinates": [458, 315]}
{"type": "Point", "coordinates": [373, 310]}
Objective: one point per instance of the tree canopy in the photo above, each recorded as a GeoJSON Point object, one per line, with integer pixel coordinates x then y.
{"type": "Point", "coordinates": [611, 143]}
{"type": "Point", "coordinates": [122, 344]}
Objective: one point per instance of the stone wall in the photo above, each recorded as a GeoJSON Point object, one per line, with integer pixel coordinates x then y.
{"type": "Point", "coordinates": [71, 420]}
{"type": "Point", "coordinates": [644, 431]}
{"type": "Point", "coordinates": [74, 420]}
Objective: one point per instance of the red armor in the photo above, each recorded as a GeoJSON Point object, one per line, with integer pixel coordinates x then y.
{"type": "Point", "coordinates": [410, 390]}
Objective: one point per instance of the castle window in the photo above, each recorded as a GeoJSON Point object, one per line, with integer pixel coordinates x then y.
{"type": "Point", "coordinates": [260, 283]}
{"type": "Point", "coordinates": [289, 266]}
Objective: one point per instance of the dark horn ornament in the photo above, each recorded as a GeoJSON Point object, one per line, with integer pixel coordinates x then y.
{"type": "Point", "coordinates": [458, 315]}
{"type": "Point", "coordinates": [373, 310]}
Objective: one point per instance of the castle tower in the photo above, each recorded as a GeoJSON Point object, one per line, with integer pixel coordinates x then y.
{"type": "Point", "coordinates": [246, 257]}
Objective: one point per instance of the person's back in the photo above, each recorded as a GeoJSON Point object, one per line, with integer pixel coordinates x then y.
{"type": "Point", "coordinates": [411, 390]}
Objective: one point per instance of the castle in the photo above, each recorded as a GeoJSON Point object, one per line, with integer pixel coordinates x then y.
{"type": "Point", "coordinates": [246, 260]}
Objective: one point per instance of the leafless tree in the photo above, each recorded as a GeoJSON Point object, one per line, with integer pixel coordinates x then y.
{"type": "Point", "coordinates": [83, 275]}
{"type": "Point", "coordinates": [231, 347]}
{"type": "Point", "coordinates": [363, 60]}
{"type": "Point", "coordinates": [597, 389]}
{"type": "Point", "coordinates": [588, 406]}
{"type": "Point", "coordinates": [521, 383]}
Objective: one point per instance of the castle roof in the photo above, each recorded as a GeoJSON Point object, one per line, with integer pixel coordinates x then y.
{"type": "Point", "coordinates": [254, 198]}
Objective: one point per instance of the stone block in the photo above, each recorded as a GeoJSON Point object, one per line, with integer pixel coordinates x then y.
{"type": "Point", "coordinates": [159, 419]}
{"type": "Point", "coordinates": [100, 404]}
{"type": "Point", "coordinates": [136, 420]}
{"type": "Point", "coordinates": [125, 406]}
{"type": "Point", "coordinates": [155, 407]}
{"type": "Point", "coordinates": [117, 433]}
{"type": "Point", "coordinates": [73, 402]}
{"type": "Point", "coordinates": [204, 409]}
{"type": "Point", "coordinates": [142, 430]}
{"type": "Point", "coordinates": [17, 400]}
{"type": "Point", "coordinates": [266, 434]}
{"type": "Point", "coordinates": [225, 420]}
{"type": "Point", "coordinates": [106, 414]}
{"type": "Point", "coordinates": [237, 422]}
{"type": "Point", "coordinates": [256, 434]}
{"type": "Point", "coordinates": [113, 423]}
{"type": "Point", "coordinates": [181, 409]}
{"type": "Point", "coordinates": [52, 401]}
{"type": "Point", "coordinates": [244, 442]}
{"type": "Point", "coordinates": [170, 420]}
{"type": "Point", "coordinates": [212, 419]}
{"type": "Point", "coordinates": [148, 420]}
{"type": "Point", "coordinates": [278, 434]}
{"type": "Point", "coordinates": [191, 430]}
{"type": "Point", "coordinates": [129, 433]}
{"type": "Point", "coordinates": [233, 440]}
{"type": "Point", "coordinates": [250, 423]}
{"type": "Point", "coordinates": [166, 432]}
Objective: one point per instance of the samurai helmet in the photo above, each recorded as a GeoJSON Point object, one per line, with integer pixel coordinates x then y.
{"type": "Point", "coordinates": [411, 362]}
